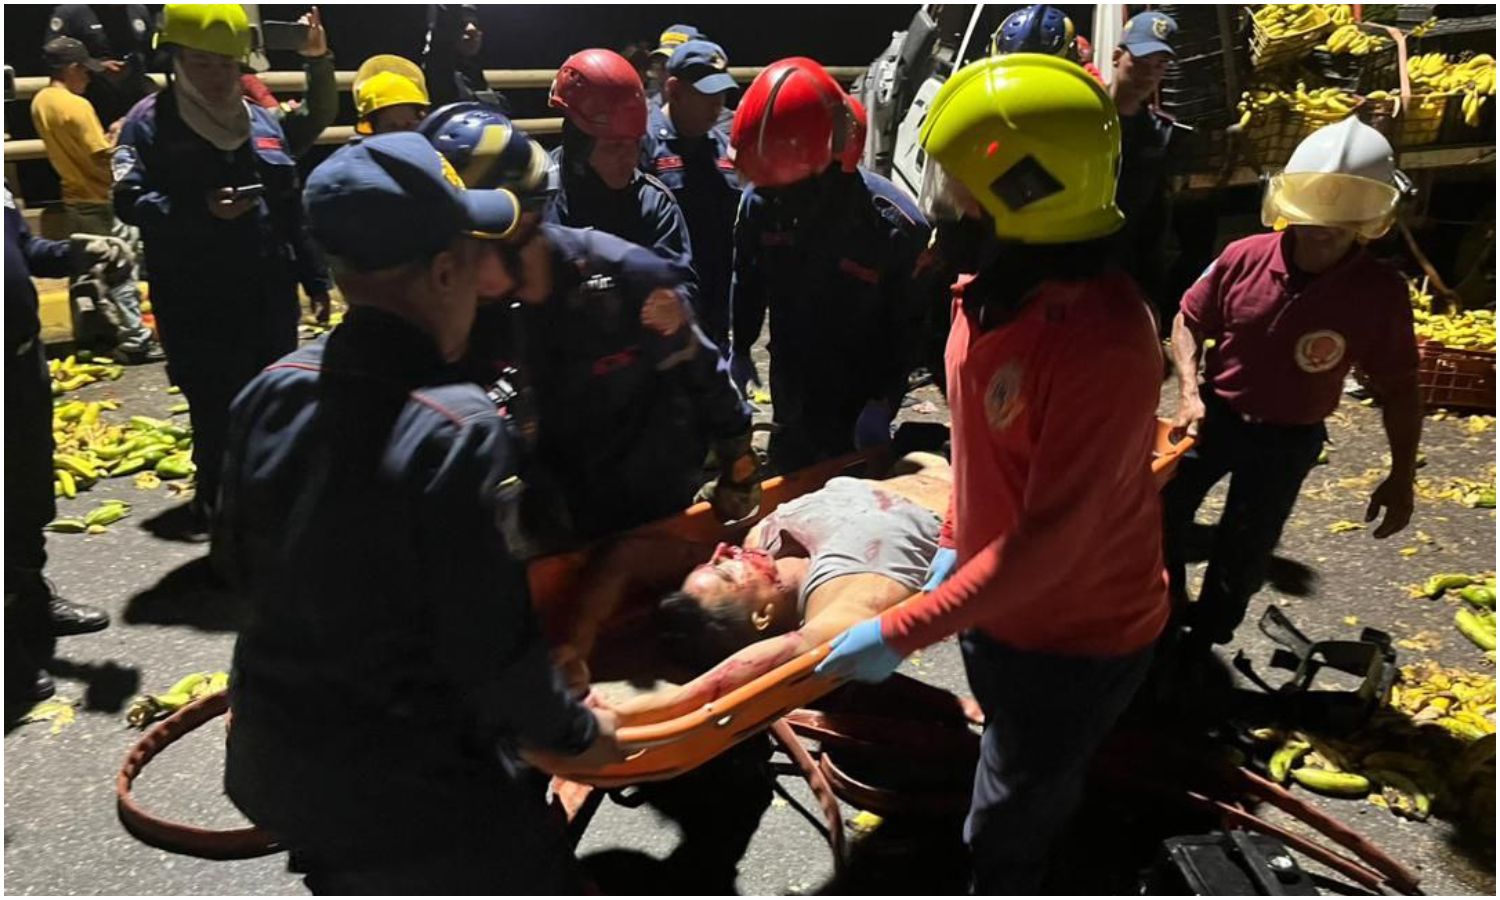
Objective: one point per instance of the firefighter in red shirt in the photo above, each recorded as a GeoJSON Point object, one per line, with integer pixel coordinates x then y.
{"type": "Point", "coordinates": [1054, 534]}
{"type": "Point", "coordinates": [1289, 313]}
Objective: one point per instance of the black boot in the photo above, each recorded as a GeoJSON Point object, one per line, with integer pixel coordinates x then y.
{"type": "Point", "coordinates": [75, 618]}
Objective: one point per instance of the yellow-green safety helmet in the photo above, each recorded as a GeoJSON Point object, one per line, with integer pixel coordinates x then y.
{"type": "Point", "coordinates": [1035, 140]}
{"type": "Point", "coordinates": [221, 28]}
{"type": "Point", "coordinates": [386, 80]}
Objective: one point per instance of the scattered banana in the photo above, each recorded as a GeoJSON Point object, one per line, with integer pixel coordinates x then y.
{"type": "Point", "coordinates": [147, 708]}
{"type": "Point", "coordinates": [1437, 585]}
{"type": "Point", "coordinates": [89, 448]}
{"type": "Point", "coordinates": [1479, 595]}
{"type": "Point", "coordinates": [1402, 795]}
{"type": "Point", "coordinates": [81, 370]}
{"type": "Point", "coordinates": [1467, 330]}
{"type": "Point", "coordinates": [1285, 757]}
{"type": "Point", "coordinates": [1337, 784]}
{"type": "Point", "coordinates": [1478, 626]}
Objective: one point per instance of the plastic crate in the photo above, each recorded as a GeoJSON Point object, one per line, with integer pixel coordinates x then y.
{"type": "Point", "coordinates": [1456, 379]}
{"type": "Point", "coordinates": [1274, 133]}
{"type": "Point", "coordinates": [1454, 130]}
{"type": "Point", "coordinates": [1377, 71]}
{"type": "Point", "coordinates": [1471, 34]}
{"type": "Point", "coordinates": [1268, 51]}
{"type": "Point", "coordinates": [1417, 125]}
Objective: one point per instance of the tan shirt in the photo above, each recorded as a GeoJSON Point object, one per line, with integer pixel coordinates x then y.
{"type": "Point", "coordinates": [75, 141]}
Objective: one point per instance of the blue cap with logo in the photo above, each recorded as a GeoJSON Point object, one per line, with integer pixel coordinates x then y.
{"type": "Point", "coordinates": [703, 65]}
{"type": "Point", "coordinates": [383, 201]}
{"type": "Point", "coordinates": [1148, 33]}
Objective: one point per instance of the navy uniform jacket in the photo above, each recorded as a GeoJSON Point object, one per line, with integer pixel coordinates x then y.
{"type": "Point", "coordinates": [1145, 140]}
{"type": "Point", "coordinates": [27, 255]}
{"type": "Point", "coordinates": [645, 213]}
{"type": "Point", "coordinates": [621, 389]}
{"type": "Point", "coordinates": [836, 277]}
{"type": "Point", "coordinates": [701, 175]}
{"type": "Point", "coordinates": [390, 656]}
{"type": "Point", "coordinates": [208, 274]}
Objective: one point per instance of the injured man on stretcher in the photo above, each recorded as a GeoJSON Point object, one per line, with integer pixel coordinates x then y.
{"type": "Point", "coordinates": [810, 569]}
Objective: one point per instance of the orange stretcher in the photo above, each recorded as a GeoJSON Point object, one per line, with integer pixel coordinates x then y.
{"type": "Point", "coordinates": [666, 749]}
{"type": "Point", "coordinates": [660, 750]}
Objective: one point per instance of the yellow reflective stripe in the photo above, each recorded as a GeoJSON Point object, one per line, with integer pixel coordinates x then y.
{"type": "Point", "coordinates": [491, 142]}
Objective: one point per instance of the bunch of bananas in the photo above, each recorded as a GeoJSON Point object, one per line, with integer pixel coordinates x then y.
{"type": "Point", "coordinates": [1339, 13]}
{"type": "Point", "coordinates": [88, 449]}
{"type": "Point", "coordinates": [79, 370]}
{"type": "Point", "coordinates": [1474, 78]}
{"type": "Point", "coordinates": [1286, 19]}
{"type": "Point", "coordinates": [1322, 105]}
{"type": "Point", "coordinates": [1467, 330]}
{"type": "Point", "coordinates": [147, 708]}
{"type": "Point", "coordinates": [1406, 759]}
{"type": "Point", "coordinates": [1352, 40]}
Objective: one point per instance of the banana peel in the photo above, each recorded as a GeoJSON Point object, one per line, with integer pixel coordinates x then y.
{"type": "Point", "coordinates": [147, 708]}
{"type": "Point", "coordinates": [1478, 627]}
{"type": "Point", "coordinates": [59, 711]}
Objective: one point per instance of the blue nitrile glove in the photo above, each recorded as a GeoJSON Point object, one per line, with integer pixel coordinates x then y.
{"type": "Point", "coordinates": [943, 562]}
{"type": "Point", "coordinates": [873, 428]}
{"type": "Point", "coordinates": [742, 372]}
{"type": "Point", "coordinates": [861, 654]}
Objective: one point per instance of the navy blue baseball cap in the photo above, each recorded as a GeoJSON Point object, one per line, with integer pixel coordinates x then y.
{"type": "Point", "coordinates": [703, 65]}
{"type": "Point", "coordinates": [383, 201]}
{"type": "Point", "coordinates": [1148, 33]}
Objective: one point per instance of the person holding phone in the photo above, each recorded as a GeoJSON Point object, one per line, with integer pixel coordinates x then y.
{"type": "Point", "coordinates": [207, 178]}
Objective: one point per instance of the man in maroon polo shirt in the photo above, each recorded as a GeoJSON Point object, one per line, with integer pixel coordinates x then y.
{"type": "Point", "coordinates": [1289, 313]}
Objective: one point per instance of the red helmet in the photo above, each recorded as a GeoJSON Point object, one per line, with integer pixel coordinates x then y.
{"type": "Point", "coordinates": [790, 125]}
{"type": "Point", "coordinates": [859, 127]}
{"type": "Point", "coordinates": [600, 92]}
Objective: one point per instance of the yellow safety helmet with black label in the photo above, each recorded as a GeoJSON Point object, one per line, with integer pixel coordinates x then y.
{"type": "Point", "coordinates": [220, 28]}
{"type": "Point", "coordinates": [386, 80]}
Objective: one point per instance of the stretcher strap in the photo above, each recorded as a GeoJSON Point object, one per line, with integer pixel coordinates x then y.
{"type": "Point", "coordinates": [176, 837]}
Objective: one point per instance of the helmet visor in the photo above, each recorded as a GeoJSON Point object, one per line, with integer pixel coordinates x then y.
{"type": "Point", "coordinates": [1332, 199]}
{"type": "Point", "coordinates": [944, 198]}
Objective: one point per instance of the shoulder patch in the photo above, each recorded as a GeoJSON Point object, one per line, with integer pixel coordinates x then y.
{"type": "Point", "coordinates": [1002, 398]}
{"type": "Point", "coordinates": [121, 161]}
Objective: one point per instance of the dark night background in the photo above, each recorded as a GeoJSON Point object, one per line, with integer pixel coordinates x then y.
{"type": "Point", "coordinates": [521, 37]}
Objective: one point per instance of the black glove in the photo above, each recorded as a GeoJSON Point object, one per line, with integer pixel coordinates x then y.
{"type": "Point", "coordinates": [735, 494]}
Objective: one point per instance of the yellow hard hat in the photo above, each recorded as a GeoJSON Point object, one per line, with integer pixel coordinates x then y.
{"type": "Point", "coordinates": [1034, 140]}
{"type": "Point", "coordinates": [220, 28]}
{"type": "Point", "coordinates": [386, 80]}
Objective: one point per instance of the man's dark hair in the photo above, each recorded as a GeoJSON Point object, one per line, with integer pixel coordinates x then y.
{"type": "Point", "coordinates": [698, 635]}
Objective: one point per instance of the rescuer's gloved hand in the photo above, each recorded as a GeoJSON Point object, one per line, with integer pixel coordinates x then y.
{"type": "Point", "coordinates": [860, 654]}
{"type": "Point", "coordinates": [942, 565]}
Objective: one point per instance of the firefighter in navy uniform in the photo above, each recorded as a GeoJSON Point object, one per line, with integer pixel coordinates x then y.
{"type": "Point", "coordinates": [1145, 137]}
{"type": "Point", "coordinates": [604, 119]}
{"type": "Point", "coordinates": [830, 260]}
{"type": "Point", "coordinates": [207, 179]}
{"type": "Point", "coordinates": [592, 348]}
{"type": "Point", "coordinates": [686, 150]}
{"type": "Point", "coordinates": [364, 520]}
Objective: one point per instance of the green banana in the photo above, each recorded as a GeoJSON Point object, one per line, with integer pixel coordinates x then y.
{"type": "Point", "coordinates": [1334, 784]}
{"type": "Point", "coordinates": [75, 464]}
{"type": "Point", "coordinates": [1284, 758]}
{"type": "Point", "coordinates": [1437, 584]}
{"type": "Point", "coordinates": [128, 466]}
{"type": "Point", "coordinates": [1477, 627]}
{"type": "Point", "coordinates": [175, 466]}
{"type": "Point", "coordinates": [108, 514]}
{"type": "Point", "coordinates": [68, 526]}
{"type": "Point", "coordinates": [146, 423]}
{"type": "Point", "coordinates": [1478, 595]}
{"type": "Point", "coordinates": [178, 408]}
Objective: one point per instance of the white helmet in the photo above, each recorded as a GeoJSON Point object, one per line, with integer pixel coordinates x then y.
{"type": "Point", "coordinates": [1341, 175]}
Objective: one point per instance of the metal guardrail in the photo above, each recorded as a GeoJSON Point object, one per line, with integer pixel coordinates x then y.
{"type": "Point", "coordinates": [286, 82]}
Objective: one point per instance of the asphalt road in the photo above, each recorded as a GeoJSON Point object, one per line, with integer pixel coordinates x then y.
{"type": "Point", "coordinates": [62, 835]}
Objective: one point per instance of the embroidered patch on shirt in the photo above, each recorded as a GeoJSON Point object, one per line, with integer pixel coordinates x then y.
{"type": "Point", "coordinates": [1319, 351]}
{"type": "Point", "coordinates": [1002, 399]}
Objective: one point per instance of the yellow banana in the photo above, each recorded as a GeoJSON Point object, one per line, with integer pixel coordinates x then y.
{"type": "Point", "coordinates": [186, 684]}
{"type": "Point", "coordinates": [1285, 757]}
{"type": "Point", "coordinates": [1477, 627]}
{"type": "Point", "coordinates": [1403, 796]}
{"type": "Point", "coordinates": [69, 485]}
{"type": "Point", "coordinates": [1335, 784]}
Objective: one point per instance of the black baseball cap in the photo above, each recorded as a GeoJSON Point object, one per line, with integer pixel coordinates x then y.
{"type": "Point", "coordinates": [64, 51]}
